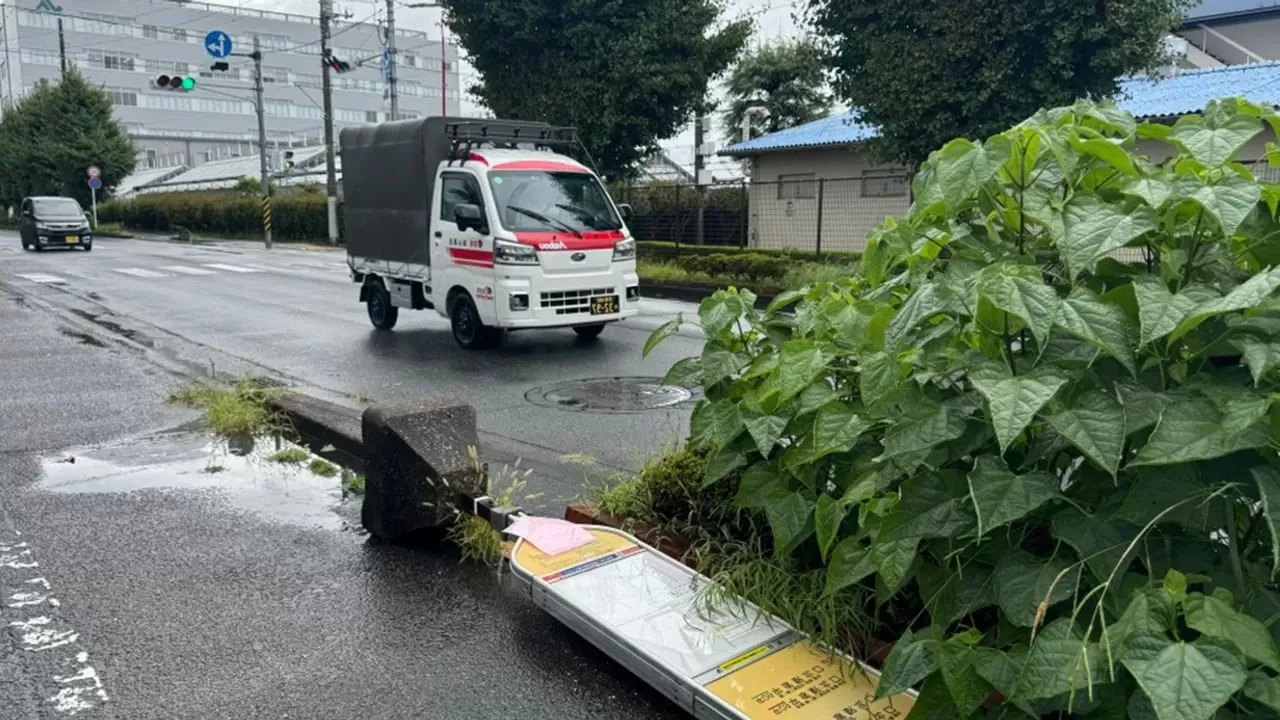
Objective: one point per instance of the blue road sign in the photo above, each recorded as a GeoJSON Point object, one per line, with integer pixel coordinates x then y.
{"type": "Point", "coordinates": [218, 44]}
{"type": "Point", "coordinates": [95, 183]}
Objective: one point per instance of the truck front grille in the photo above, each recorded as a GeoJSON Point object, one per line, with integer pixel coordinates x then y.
{"type": "Point", "coordinates": [572, 302]}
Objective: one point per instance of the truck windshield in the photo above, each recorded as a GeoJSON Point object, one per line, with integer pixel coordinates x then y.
{"type": "Point", "coordinates": [546, 200]}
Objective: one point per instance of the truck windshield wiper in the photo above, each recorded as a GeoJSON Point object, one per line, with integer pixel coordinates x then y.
{"type": "Point", "coordinates": [587, 215]}
{"type": "Point", "coordinates": [544, 219]}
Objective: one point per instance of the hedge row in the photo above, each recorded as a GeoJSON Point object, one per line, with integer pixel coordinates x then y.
{"type": "Point", "coordinates": [670, 252]}
{"type": "Point", "coordinates": [295, 215]}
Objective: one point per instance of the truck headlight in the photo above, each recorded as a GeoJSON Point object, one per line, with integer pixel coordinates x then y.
{"type": "Point", "coordinates": [509, 253]}
{"type": "Point", "coordinates": [624, 250]}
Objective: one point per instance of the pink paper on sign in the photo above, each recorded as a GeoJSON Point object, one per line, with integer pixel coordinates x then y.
{"type": "Point", "coordinates": [550, 535]}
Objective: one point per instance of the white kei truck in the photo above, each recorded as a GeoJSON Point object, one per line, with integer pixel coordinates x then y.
{"type": "Point", "coordinates": [487, 223]}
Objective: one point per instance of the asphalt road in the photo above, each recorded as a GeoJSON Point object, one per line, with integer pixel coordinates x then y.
{"type": "Point", "coordinates": [135, 586]}
{"type": "Point", "coordinates": [294, 315]}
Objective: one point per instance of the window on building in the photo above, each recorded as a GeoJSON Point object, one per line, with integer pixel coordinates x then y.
{"type": "Point", "coordinates": [797, 187]}
{"type": "Point", "coordinates": [150, 31]}
{"type": "Point", "coordinates": [179, 34]}
{"type": "Point", "coordinates": [884, 183]}
{"type": "Point", "coordinates": [120, 96]}
{"type": "Point", "coordinates": [371, 116]}
{"type": "Point", "coordinates": [151, 158]}
{"type": "Point", "coordinates": [113, 60]}
{"type": "Point", "coordinates": [275, 74]}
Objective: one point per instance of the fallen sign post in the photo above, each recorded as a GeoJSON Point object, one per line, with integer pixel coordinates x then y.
{"type": "Point", "coordinates": [631, 601]}
{"type": "Point", "coordinates": [642, 608]}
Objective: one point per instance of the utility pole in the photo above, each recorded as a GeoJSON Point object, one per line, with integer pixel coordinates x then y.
{"type": "Point", "coordinates": [62, 49]}
{"type": "Point", "coordinates": [326, 84]}
{"type": "Point", "coordinates": [262, 139]}
{"type": "Point", "coordinates": [444, 62]}
{"type": "Point", "coordinates": [391, 60]}
{"type": "Point", "coordinates": [699, 166]}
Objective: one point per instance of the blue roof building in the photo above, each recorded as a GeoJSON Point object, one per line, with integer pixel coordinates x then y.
{"type": "Point", "coordinates": [817, 187]}
{"type": "Point", "coordinates": [1186, 92]}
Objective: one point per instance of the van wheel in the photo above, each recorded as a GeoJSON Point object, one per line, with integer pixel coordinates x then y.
{"type": "Point", "coordinates": [589, 332]}
{"type": "Point", "coordinates": [382, 313]}
{"type": "Point", "coordinates": [468, 330]}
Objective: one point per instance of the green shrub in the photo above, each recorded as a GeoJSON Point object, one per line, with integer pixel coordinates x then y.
{"type": "Point", "coordinates": [669, 251]}
{"type": "Point", "coordinates": [1055, 472]}
{"type": "Point", "coordinates": [752, 266]}
{"type": "Point", "coordinates": [295, 215]}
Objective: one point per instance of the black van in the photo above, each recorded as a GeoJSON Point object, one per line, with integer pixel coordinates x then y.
{"type": "Point", "coordinates": [54, 222]}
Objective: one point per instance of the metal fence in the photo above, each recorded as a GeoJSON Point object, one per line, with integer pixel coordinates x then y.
{"type": "Point", "coordinates": [805, 214]}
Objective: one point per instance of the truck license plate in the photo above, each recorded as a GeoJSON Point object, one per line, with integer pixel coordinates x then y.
{"type": "Point", "coordinates": [604, 305]}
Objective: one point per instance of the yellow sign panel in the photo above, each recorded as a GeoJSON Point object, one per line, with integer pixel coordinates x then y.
{"type": "Point", "coordinates": [800, 682]}
{"type": "Point", "coordinates": [548, 567]}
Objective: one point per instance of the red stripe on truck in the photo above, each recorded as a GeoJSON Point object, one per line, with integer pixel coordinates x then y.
{"type": "Point", "coordinates": [559, 241]}
{"type": "Point", "coordinates": [547, 165]}
{"type": "Point", "coordinates": [478, 258]}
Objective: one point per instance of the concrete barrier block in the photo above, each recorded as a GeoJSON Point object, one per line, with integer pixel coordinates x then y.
{"type": "Point", "coordinates": [417, 461]}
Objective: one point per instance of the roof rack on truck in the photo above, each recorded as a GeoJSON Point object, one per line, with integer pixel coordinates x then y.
{"type": "Point", "coordinates": [466, 136]}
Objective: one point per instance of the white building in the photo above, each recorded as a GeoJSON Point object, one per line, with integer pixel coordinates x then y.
{"type": "Point", "coordinates": [124, 45]}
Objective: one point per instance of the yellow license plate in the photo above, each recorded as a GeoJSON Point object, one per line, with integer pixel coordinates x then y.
{"type": "Point", "coordinates": [73, 239]}
{"type": "Point", "coordinates": [604, 305]}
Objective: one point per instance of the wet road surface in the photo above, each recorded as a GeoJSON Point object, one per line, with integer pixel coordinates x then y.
{"type": "Point", "coordinates": [134, 585]}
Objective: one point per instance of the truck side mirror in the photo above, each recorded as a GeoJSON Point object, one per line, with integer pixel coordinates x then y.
{"type": "Point", "coordinates": [469, 217]}
{"type": "Point", "coordinates": [626, 211]}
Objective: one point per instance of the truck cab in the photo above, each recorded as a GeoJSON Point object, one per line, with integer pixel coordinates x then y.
{"type": "Point", "coordinates": [503, 231]}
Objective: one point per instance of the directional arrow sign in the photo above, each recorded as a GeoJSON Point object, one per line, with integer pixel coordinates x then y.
{"type": "Point", "coordinates": [218, 44]}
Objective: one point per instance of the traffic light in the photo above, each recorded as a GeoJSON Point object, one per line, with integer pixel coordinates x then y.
{"type": "Point", "coordinates": [175, 82]}
{"type": "Point", "coordinates": [288, 159]}
{"type": "Point", "coordinates": [338, 66]}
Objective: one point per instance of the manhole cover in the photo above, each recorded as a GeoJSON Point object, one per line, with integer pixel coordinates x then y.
{"type": "Point", "coordinates": [609, 395]}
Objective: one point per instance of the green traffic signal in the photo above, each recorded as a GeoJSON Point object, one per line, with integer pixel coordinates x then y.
{"type": "Point", "coordinates": [188, 83]}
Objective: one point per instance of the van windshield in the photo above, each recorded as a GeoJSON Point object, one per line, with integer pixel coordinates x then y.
{"type": "Point", "coordinates": [57, 207]}
{"type": "Point", "coordinates": [547, 200]}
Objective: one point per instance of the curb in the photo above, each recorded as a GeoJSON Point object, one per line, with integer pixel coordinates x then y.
{"type": "Point", "coordinates": [695, 293]}
{"type": "Point", "coordinates": [322, 424]}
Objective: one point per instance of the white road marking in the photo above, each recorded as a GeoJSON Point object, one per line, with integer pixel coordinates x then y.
{"type": "Point", "coordinates": [232, 268]}
{"type": "Point", "coordinates": [80, 688]}
{"type": "Point", "coordinates": [183, 269]}
{"type": "Point", "coordinates": [139, 272]}
{"type": "Point", "coordinates": [42, 278]}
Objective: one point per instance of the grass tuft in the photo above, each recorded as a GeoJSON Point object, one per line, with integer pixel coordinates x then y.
{"type": "Point", "coordinates": [352, 484]}
{"type": "Point", "coordinates": [323, 468]}
{"type": "Point", "coordinates": [241, 409]}
{"type": "Point", "coordinates": [292, 456]}
{"type": "Point", "coordinates": [476, 538]}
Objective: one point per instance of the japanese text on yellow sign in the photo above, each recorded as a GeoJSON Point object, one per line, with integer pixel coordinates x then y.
{"type": "Point", "coordinates": [802, 683]}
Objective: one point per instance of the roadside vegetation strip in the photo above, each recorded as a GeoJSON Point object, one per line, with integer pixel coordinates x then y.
{"type": "Point", "coordinates": [475, 537]}
{"type": "Point", "coordinates": [1045, 476]}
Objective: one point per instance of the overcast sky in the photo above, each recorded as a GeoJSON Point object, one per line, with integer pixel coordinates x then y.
{"type": "Point", "coordinates": [773, 19]}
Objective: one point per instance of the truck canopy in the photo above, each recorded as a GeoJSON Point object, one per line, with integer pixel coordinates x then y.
{"type": "Point", "coordinates": [389, 171]}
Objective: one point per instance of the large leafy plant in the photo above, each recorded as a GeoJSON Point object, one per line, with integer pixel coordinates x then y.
{"type": "Point", "coordinates": [1041, 419]}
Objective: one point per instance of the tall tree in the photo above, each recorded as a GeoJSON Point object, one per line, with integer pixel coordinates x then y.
{"type": "Point", "coordinates": [49, 139]}
{"type": "Point", "coordinates": [626, 73]}
{"type": "Point", "coordinates": [787, 77]}
{"type": "Point", "coordinates": [926, 71]}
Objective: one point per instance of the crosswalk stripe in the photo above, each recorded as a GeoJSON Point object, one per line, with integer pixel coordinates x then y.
{"type": "Point", "coordinates": [183, 269]}
{"type": "Point", "coordinates": [42, 278]}
{"type": "Point", "coordinates": [139, 272]}
{"type": "Point", "coordinates": [232, 268]}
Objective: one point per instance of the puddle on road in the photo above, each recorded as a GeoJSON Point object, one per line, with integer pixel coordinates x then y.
{"type": "Point", "coordinates": [242, 472]}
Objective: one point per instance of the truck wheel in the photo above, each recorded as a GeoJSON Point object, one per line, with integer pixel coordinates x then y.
{"type": "Point", "coordinates": [468, 330]}
{"type": "Point", "coordinates": [382, 313]}
{"type": "Point", "coordinates": [589, 332]}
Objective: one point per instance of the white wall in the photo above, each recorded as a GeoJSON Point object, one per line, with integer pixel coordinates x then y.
{"type": "Point", "coordinates": [839, 175]}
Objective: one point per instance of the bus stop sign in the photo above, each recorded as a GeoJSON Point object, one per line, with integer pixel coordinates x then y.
{"type": "Point", "coordinates": [643, 609]}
